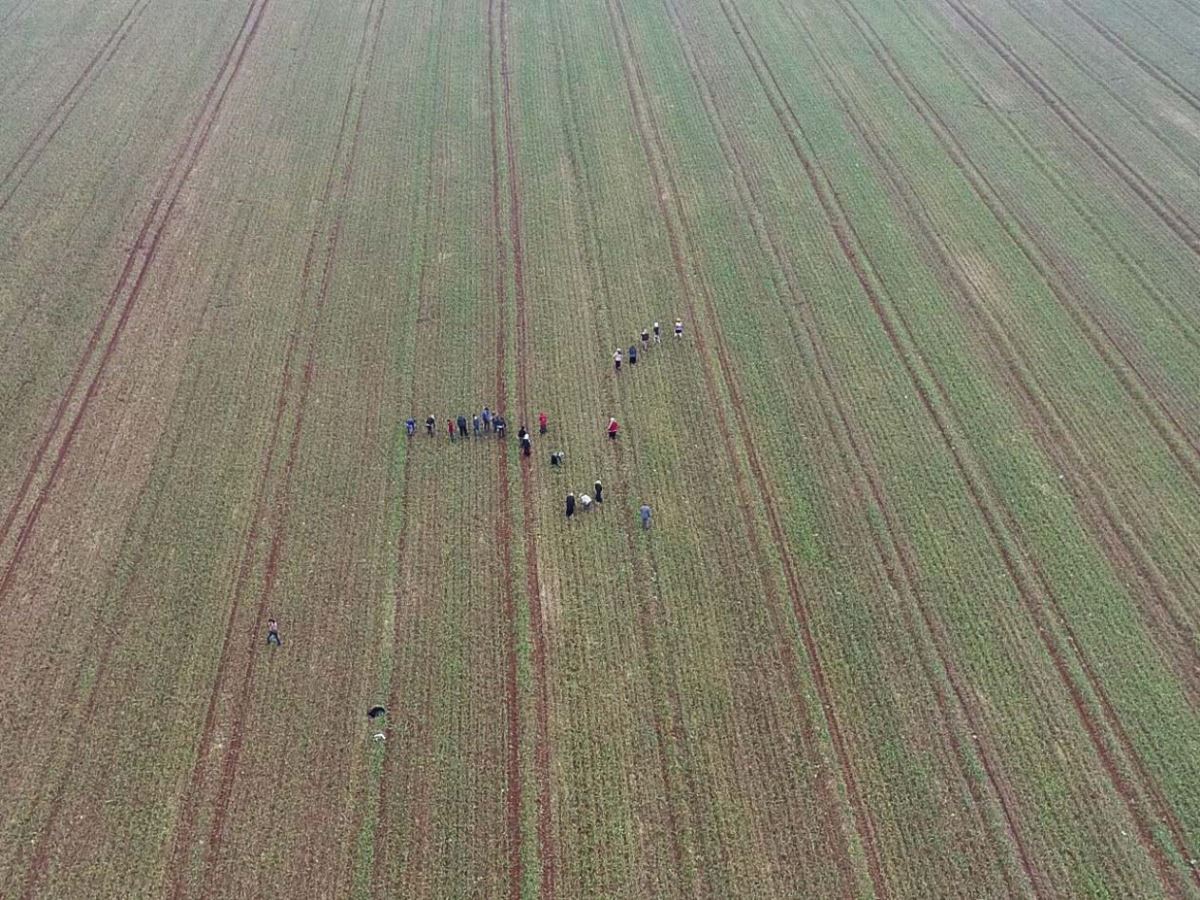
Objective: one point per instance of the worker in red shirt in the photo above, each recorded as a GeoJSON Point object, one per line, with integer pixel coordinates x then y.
{"type": "Point", "coordinates": [450, 428]}
{"type": "Point", "coordinates": [612, 429]}
{"type": "Point", "coordinates": [541, 423]}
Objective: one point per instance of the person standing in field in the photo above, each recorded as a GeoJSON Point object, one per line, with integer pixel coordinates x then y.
{"type": "Point", "coordinates": [678, 328]}
{"type": "Point", "coordinates": [645, 341]}
{"type": "Point", "coordinates": [613, 428]}
{"type": "Point", "coordinates": [462, 426]}
{"type": "Point", "coordinates": [475, 424]}
{"type": "Point", "coordinates": [273, 633]}
{"type": "Point", "coordinates": [526, 445]}
{"type": "Point", "coordinates": [410, 426]}
{"type": "Point", "coordinates": [598, 490]}
{"type": "Point", "coordinates": [501, 426]}
{"type": "Point", "coordinates": [487, 420]}
{"type": "Point", "coordinates": [542, 420]}
{"type": "Point", "coordinates": [644, 512]}
{"type": "Point", "coordinates": [633, 354]}
{"type": "Point", "coordinates": [429, 423]}
{"type": "Point", "coordinates": [570, 505]}
{"type": "Point", "coordinates": [617, 361]}
{"type": "Point", "coordinates": [657, 334]}
{"type": "Point", "coordinates": [450, 428]}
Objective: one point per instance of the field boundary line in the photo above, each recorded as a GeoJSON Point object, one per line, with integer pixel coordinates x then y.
{"type": "Point", "coordinates": [650, 139]}
{"type": "Point", "coordinates": [1002, 529]}
{"type": "Point", "coordinates": [906, 583]}
{"type": "Point", "coordinates": [32, 151]}
{"type": "Point", "coordinates": [129, 284]}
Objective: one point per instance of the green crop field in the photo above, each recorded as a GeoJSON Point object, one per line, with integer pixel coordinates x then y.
{"type": "Point", "coordinates": [917, 610]}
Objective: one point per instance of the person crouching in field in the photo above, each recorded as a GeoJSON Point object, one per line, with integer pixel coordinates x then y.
{"type": "Point", "coordinates": [613, 428]}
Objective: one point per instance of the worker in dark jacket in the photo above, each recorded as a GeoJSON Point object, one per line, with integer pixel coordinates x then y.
{"type": "Point", "coordinates": [429, 423]}
{"type": "Point", "coordinates": [598, 490]}
{"type": "Point", "coordinates": [633, 354]}
{"type": "Point", "coordinates": [570, 505]}
{"type": "Point", "coordinates": [462, 426]}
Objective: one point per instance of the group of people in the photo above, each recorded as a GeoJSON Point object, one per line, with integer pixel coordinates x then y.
{"type": "Point", "coordinates": [619, 355]}
{"type": "Point", "coordinates": [482, 423]}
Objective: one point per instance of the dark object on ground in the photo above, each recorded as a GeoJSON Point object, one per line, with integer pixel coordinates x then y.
{"type": "Point", "coordinates": [375, 712]}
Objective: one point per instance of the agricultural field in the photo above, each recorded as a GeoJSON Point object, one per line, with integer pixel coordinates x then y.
{"type": "Point", "coordinates": [917, 613]}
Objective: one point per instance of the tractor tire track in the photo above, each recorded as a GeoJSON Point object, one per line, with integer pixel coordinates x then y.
{"type": "Point", "coordinates": [360, 85]}
{"type": "Point", "coordinates": [1175, 221]}
{"type": "Point", "coordinates": [1033, 586]}
{"type": "Point", "coordinates": [15, 175]}
{"type": "Point", "coordinates": [1097, 78]}
{"type": "Point", "coordinates": [650, 138]}
{"type": "Point", "coordinates": [547, 851]}
{"type": "Point", "coordinates": [40, 860]}
{"type": "Point", "coordinates": [1187, 329]}
{"type": "Point", "coordinates": [903, 578]}
{"type": "Point", "coordinates": [1098, 507]}
{"type": "Point", "coordinates": [436, 180]}
{"type": "Point", "coordinates": [1053, 273]}
{"type": "Point", "coordinates": [596, 273]}
{"type": "Point", "coordinates": [504, 538]}
{"type": "Point", "coordinates": [129, 285]}
{"type": "Point", "coordinates": [16, 10]}
{"type": "Point", "coordinates": [187, 819]}
{"type": "Point", "coordinates": [1188, 96]}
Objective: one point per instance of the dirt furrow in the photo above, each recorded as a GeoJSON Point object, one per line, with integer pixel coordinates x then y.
{"type": "Point", "coordinates": [436, 180]}
{"type": "Point", "coordinates": [596, 273]}
{"type": "Point", "coordinates": [17, 9]}
{"type": "Point", "coordinates": [651, 139]}
{"type": "Point", "coordinates": [1178, 224]}
{"type": "Point", "coordinates": [61, 111]}
{"type": "Point", "coordinates": [504, 536]}
{"type": "Point", "coordinates": [1002, 529]}
{"type": "Point", "coordinates": [359, 85]}
{"type": "Point", "coordinates": [1188, 96]}
{"type": "Point", "coordinates": [139, 258]}
{"type": "Point", "coordinates": [547, 852]}
{"type": "Point", "coordinates": [905, 582]}
{"type": "Point", "coordinates": [1063, 447]}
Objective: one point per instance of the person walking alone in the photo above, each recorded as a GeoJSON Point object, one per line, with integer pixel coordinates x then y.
{"type": "Point", "coordinates": [570, 505]}
{"type": "Point", "coordinates": [644, 512]}
{"type": "Point", "coordinates": [273, 633]}
{"type": "Point", "coordinates": [613, 428]}
{"type": "Point", "coordinates": [598, 490]}
{"type": "Point", "coordinates": [542, 420]}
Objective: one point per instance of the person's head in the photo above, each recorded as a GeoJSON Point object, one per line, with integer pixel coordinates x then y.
{"type": "Point", "coordinates": [272, 622]}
